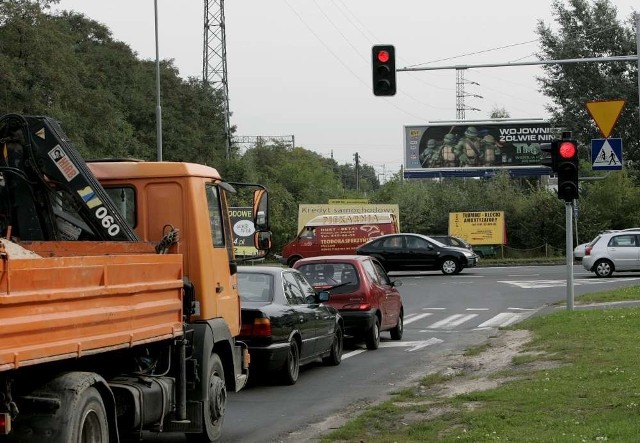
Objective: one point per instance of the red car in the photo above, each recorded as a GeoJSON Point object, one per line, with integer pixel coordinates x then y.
{"type": "Point", "coordinates": [361, 290]}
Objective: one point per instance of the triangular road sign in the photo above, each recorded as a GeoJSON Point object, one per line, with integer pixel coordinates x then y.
{"type": "Point", "coordinates": [605, 113]}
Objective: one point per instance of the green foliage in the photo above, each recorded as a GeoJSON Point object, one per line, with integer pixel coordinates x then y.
{"type": "Point", "coordinates": [590, 29]}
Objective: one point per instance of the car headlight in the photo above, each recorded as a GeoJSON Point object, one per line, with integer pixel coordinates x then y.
{"type": "Point", "coordinates": [469, 254]}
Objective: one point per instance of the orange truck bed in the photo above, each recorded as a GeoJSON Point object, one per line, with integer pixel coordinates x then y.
{"type": "Point", "coordinates": [67, 305]}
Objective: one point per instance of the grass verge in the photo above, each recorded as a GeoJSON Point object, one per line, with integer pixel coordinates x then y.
{"type": "Point", "coordinates": [576, 380]}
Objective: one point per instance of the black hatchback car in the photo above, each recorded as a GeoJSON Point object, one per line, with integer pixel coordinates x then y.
{"type": "Point", "coordinates": [416, 252]}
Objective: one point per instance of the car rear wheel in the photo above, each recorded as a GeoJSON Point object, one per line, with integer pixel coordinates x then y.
{"type": "Point", "coordinates": [398, 330]}
{"type": "Point", "coordinates": [291, 368]}
{"type": "Point", "coordinates": [372, 337]}
{"type": "Point", "coordinates": [450, 266]}
{"type": "Point", "coordinates": [603, 268]}
{"type": "Point", "coordinates": [335, 355]}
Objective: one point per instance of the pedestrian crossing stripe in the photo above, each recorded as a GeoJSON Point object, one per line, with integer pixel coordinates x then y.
{"type": "Point", "coordinates": [606, 154]}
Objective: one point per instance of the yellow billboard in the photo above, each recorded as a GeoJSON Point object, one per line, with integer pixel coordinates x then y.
{"type": "Point", "coordinates": [308, 211]}
{"type": "Point", "coordinates": [478, 228]}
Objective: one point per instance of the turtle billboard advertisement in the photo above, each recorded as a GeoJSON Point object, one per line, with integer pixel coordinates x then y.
{"type": "Point", "coordinates": [476, 145]}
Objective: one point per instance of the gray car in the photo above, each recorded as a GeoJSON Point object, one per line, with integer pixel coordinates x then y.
{"type": "Point", "coordinates": [613, 251]}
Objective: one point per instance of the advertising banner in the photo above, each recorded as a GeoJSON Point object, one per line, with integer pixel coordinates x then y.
{"type": "Point", "coordinates": [478, 228]}
{"type": "Point", "coordinates": [243, 230]}
{"type": "Point", "coordinates": [308, 211]}
{"type": "Point", "coordinates": [480, 145]}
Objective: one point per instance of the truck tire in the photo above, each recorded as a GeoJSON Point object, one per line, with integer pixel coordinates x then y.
{"type": "Point", "coordinates": [292, 260]}
{"type": "Point", "coordinates": [87, 418]}
{"type": "Point", "coordinates": [215, 405]}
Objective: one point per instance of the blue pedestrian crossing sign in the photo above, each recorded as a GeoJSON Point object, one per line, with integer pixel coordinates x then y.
{"type": "Point", "coordinates": [606, 154]}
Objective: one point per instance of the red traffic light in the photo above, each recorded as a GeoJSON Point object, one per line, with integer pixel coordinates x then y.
{"type": "Point", "coordinates": [567, 150]}
{"type": "Point", "coordinates": [383, 56]}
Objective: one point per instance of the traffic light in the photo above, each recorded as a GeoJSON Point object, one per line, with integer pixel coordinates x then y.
{"type": "Point", "coordinates": [550, 160]}
{"type": "Point", "coordinates": [383, 62]}
{"type": "Point", "coordinates": [567, 169]}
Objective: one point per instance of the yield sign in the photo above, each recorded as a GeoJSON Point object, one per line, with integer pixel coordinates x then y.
{"type": "Point", "coordinates": [605, 113]}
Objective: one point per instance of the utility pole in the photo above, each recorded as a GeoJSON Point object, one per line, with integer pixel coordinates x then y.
{"type": "Point", "coordinates": [357, 158]}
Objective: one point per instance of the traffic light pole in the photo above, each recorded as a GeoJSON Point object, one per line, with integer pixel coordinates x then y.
{"type": "Point", "coordinates": [569, 253]}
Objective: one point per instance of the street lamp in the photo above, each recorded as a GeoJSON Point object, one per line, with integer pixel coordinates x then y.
{"type": "Point", "coordinates": [158, 106]}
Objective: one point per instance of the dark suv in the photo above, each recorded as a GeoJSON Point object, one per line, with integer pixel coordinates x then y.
{"type": "Point", "coordinates": [452, 241]}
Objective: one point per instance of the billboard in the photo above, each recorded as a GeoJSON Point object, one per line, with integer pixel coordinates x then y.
{"type": "Point", "coordinates": [473, 147]}
{"type": "Point", "coordinates": [243, 230]}
{"type": "Point", "coordinates": [478, 228]}
{"type": "Point", "coordinates": [308, 211]}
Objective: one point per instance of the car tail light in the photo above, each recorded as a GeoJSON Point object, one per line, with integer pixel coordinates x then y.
{"type": "Point", "coordinates": [5, 423]}
{"type": "Point", "coordinates": [587, 250]}
{"type": "Point", "coordinates": [357, 307]}
{"type": "Point", "coordinates": [261, 327]}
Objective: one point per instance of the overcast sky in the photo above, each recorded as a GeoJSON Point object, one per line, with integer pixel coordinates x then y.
{"type": "Point", "coordinates": [303, 68]}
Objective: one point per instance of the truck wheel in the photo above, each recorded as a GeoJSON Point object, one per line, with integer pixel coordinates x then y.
{"type": "Point", "coordinates": [291, 368]}
{"type": "Point", "coordinates": [398, 329]}
{"type": "Point", "coordinates": [372, 337]}
{"type": "Point", "coordinates": [335, 356]}
{"type": "Point", "coordinates": [292, 261]}
{"type": "Point", "coordinates": [88, 418]}
{"type": "Point", "coordinates": [216, 404]}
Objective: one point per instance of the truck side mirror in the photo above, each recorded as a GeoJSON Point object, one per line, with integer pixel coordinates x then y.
{"type": "Point", "coordinates": [261, 209]}
{"type": "Point", "coordinates": [262, 240]}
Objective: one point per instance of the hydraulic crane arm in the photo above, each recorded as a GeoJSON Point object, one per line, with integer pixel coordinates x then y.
{"type": "Point", "coordinates": [47, 192]}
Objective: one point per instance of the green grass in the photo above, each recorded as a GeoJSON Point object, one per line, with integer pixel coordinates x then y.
{"type": "Point", "coordinates": [591, 392]}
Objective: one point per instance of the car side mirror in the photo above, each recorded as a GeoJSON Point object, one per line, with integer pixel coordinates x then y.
{"type": "Point", "coordinates": [396, 283]}
{"type": "Point", "coordinates": [323, 296]}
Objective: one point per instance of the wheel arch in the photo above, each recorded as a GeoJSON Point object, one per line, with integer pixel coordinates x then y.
{"type": "Point", "coordinates": [213, 336]}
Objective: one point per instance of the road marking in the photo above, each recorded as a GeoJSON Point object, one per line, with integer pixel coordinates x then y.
{"type": "Point", "coordinates": [477, 309]}
{"type": "Point", "coordinates": [452, 321]}
{"type": "Point", "coordinates": [540, 284]}
{"type": "Point", "coordinates": [522, 309]}
{"type": "Point", "coordinates": [502, 320]}
{"type": "Point", "coordinates": [416, 317]}
{"type": "Point", "coordinates": [434, 309]}
{"type": "Point", "coordinates": [414, 345]}
{"type": "Point", "coordinates": [353, 353]}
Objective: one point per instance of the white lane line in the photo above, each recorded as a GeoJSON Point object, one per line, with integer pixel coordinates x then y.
{"type": "Point", "coordinates": [416, 317]}
{"type": "Point", "coordinates": [353, 353]}
{"type": "Point", "coordinates": [501, 320]}
{"type": "Point", "coordinates": [434, 309]}
{"type": "Point", "coordinates": [452, 321]}
{"type": "Point", "coordinates": [522, 309]}
{"type": "Point", "coordinates": [414, 345]}
{"type": "Point", "coordinates": [477, 309]}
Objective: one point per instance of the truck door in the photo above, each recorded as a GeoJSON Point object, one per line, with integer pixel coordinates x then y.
{"type": "Point", "coordinates": [223, 263]}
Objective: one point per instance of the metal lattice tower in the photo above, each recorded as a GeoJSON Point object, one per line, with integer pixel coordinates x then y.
{"type": "Point", "coordinates": [214, 59]}
{"type": "Point", "coordinates": [460, 95]}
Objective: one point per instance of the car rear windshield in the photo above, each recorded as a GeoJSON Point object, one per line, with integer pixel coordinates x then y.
{"type": "Point", "coordinates": [255, 287]}
{"type": "Point", "coordinates": [331, 274]}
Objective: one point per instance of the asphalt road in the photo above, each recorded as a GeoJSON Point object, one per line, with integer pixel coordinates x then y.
{"type": "Point", "coordinates": [443, 315]}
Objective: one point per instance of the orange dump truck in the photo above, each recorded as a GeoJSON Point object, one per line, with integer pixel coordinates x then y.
{"type": "Point", "coordinates": [118, 295]}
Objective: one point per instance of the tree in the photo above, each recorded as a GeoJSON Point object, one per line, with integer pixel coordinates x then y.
{"type": "Point", "coordinates": [590, 29]}
{"type": "Point", "coordinates": [499, 112]}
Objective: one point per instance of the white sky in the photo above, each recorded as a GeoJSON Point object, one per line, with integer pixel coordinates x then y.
{"type": "Point", "coordinates": [303, 68]}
